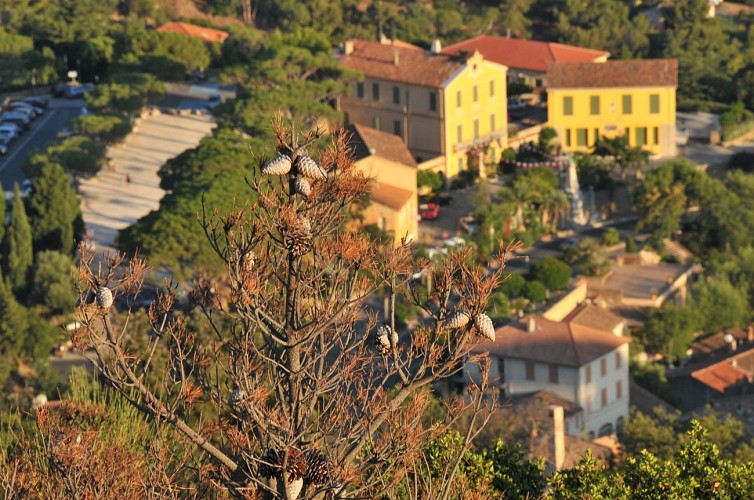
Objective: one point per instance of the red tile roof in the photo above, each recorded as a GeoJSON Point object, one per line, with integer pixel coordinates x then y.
{"type": "Point", "coordinates": [594, 317]}
{"type": "Point", "coordinates": [206, 34]}
{"type": "Point", "coordinates": [528, 55]}
{"type": "Point", "coordinates": [727, 373]}
{"type": "Point", "coordinates": [367, 141]}
{"type": "Point", "coordinates": [399, 64]}
{"type": "Point", "coordinates": [631, 73]}
{"type": "Point", "coordinates": [554, 342]}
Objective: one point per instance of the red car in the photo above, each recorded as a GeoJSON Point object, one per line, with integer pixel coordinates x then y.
{"type": "Point", "coordinates": [430, 211]}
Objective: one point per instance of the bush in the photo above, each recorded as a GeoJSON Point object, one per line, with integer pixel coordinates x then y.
{"type": "Point", "coordinates": [535, 291]}
{"type": "Point", "coordinates": [107, 128]}
{"type": "Point", "coordinates": [552, 273]}
{"type": "Point", "coordinates": [513, 285]}
{"type": "Point", "coordinates": [433, 180]}
{"type": "Point", "coordinates": [631, 244]}
{"type": "Point", "coordinates": [610, 237]}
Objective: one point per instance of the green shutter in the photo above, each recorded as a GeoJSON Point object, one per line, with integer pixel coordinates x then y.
{"type": "Point", "coordinates": [654, 103]}
{"type": "Point", "coordinates": [627, 105]}
{"type": "Point", "coordinates": [568, 106]}
{"type": "Point", "coordinates": [594, 104]}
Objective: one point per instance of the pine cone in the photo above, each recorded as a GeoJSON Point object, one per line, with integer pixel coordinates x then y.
{"type": "Point", "coordinates": [104, 297]}
{"type": "Point", "coordinates": [302, 187]}
{"type": "Point", "coordinates": [269, 464]}
{"type": "Point", "coordinates": [309, 168]}
{"type": "Point", "coordinates": [319, 468]}
{"type": "Point", "coordinates": [236, 398]}
{"type": "Point", "coordinates": [298, 236]}
{"type": "Point", "coordinates": [294, 488]}
{"type": "Point", "coordinates": [382, 337]}
{"type": "Point", "coordinates": [485, 326]}
{"type": "Point", "coordinates": [459, 319]}
{"type": "Point", "coordinates": [279, 165]}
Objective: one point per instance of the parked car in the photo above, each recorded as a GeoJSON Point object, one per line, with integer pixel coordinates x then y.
{"type": "Point", "coordinates": [214, 100]}
{"type": "Point", "coordinates": [455, 241]}
{"type": "Point", "coordinates": [443, 199]}
{"type": "Point", "coordinates": [23, 110]}
{"type": "Point", "coordinates": [20, 119]}
{"type": "Point", "coordinates": [429, 211]}
{"type": "Point", "coordinates": [6, 142]}
{"type": "Point", "coordinates": [38, 111]}
{"type": "Point", "coordinates": [9, 131]}
{"type": "Point", "coordinates": [38, 102]}
{"type": "Point", "coordinates": [77, 91]}
{"type": "Point", "coordinates": [59, 90]}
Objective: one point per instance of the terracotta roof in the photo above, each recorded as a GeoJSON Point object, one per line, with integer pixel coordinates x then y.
{"type": "Point", "coordinates": [206, 34]}
{"type": "Point", "coordinates": [367, 141]}
{"type": "Point", "coordinates": [390, 196]}
{"type": "Point", "coordinates": [716, 342]}
{"type": "Point", "coordinates": [727, 373]}
{"type": "Point", "coordinates": [632, 73]}
{"type": "Point", "coordinates": [528, 55]}
{"type": "Point", "coordinates": [552, 342]}
{"type": "Point", "coordinates": [416, 67]}
{"type": "Point", "coordinates": [594, 317]}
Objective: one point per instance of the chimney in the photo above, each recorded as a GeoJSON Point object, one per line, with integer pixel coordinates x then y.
{"type": "Point", "coordinates": [348, 47]}
{"type": "Point", "coordinates": [750, 333]}
{"type": "Point", "coordinates": [396, 56]}
{"type": "Point", "coordinates": [557, 445]}
{"type": "Point", "coordinates": [531, 325]}
{"type": "Point", "coordinates": [435, 47]}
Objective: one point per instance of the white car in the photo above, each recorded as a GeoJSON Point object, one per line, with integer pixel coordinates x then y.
{"type": "Point", "coordinates": [454, 242]}
{"type": "Point", "coordinates": [10, 130]}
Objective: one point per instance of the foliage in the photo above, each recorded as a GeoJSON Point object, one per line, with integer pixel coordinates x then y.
{"type": "Point", "coordinates": [736, 121]}
{"type": "Point", "coordinates": [610, 237]}
{"type": "Point", "coordinates": [189, 52]}
{"type": "Point", "coordinates": [670, 330]}
{"type": "Point", "coordinates": [54, 211]}
{"type": "Point", "coordinates": [513, 474]}
{"type": "Point", "coordinates": [513, 285]}
{"type": "Point", "coordinates": [651, 376]}
{"type": "Point", "coordinates": [534, 196]}
{"type": "Point", "coordinates": [623, 155]}
{"type": "Point", "coordinates": [552, 272]}
{"type": "Point", "coordinates": [631, 244]}
{"type": "Point", "coordinates": [500, 307]}
{"type": "Point", "coordinates": [52, 284]}
{"type": "Point", "coordinates": [429, 179]}
{"type": "Point", "coordinates": [19, 62]}
{"type": "Point", "coordinates": [588, 479]}
{"type": "Point", "coordinates": [125, 93]}
{"type": "Point", "coordinates": [13, 327]}
{"type": "Point", "coordinates": [546, 137]}
{"type": "Point", "coordinates": [535, 291]}
{"type": "Point", "coordinates": [657, 435]}
{"type": "Point", "coordinates": [107, 128]}
{"type": "Point", "coordinates": [589, 257]}
{"type": "Point", "coordinates": [718, 304]}
{"type": "Point", "coordinates": [17, 250]}
{"type": "Point", "coordinates": [79, 156]}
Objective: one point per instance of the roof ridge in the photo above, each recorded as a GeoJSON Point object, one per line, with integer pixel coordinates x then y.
{"type": "Point", "coordinates": [574, 344]}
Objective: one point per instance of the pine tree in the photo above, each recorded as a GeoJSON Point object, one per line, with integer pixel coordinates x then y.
{"type": "Point", "coordinates": [53, 208]}
{"type": "Point", "coordinates": [18, 254]}
{"type": "Point", "coordinates": [12, 327]}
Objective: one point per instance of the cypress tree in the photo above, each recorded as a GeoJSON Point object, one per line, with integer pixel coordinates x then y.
{"type": "Point", "coordinates": [14, 322]}
{"type": "Point", "coordinates": [18, 255]}
{"type": "Point", "coordinates": [53, 208]}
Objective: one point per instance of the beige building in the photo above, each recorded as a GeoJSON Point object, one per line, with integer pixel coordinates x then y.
{"type": "Point", "coordinates": [385, 158]}
{"type": "Point", "coordinates": [452, 107]}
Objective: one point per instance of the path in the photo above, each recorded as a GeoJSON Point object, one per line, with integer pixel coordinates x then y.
{"type": "Point", "coordinates": [109, 203]}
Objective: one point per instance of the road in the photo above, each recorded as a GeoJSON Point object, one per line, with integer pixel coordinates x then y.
{"type": "Point", "coordinates": [44, 130]}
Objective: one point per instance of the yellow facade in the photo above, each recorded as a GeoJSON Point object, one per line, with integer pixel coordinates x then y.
{"type": "Point", "coordinates": [475, 111]}
{"type": "Point", "coordinates": [645, 114]}
{"type": "Point", "coordinates": [462, 119]}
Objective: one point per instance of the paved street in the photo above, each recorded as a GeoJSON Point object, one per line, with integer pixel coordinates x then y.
{"type": "Point", "coordinates": [44, 130]}
{"type": "Point", "coordinates": [110, 203]}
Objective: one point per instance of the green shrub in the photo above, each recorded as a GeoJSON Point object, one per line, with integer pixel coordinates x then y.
{"type": "Point", "coordinates": [610, 237]}
{"type": "Point", "coordinates": [535, 291]}
{"type": "Point", "coordinates": [513, 285]}
{"type": "Point", "coordinates": [106, 128]}
{"type": "Point", "coordinates": [553, 273]}
{"type": "Point", "coordinates": [631, 244]}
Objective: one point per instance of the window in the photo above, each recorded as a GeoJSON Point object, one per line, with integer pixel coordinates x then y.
{"type": "Point", "coordinates": [553, 374]}
{"type": "Point", "coordinates": [618, 360]}
{"type": "Point", "coordinates": [492, 88]}
{"type": "Point", "coordinates": [492, 123]}
{"type": "Point", "coordinates": [568, 137]}
{"type": "Point", "coordinates": [530, 370]}
{"type": "Point", "coordinates": [396, 95]}
{"type": "Point", "coordinates": [433, 101]}
{"type": "Point", "coordinates": [589, 374]}
{"type": "Point", "coordinates": [459, 133]}
{"type": "Point", "coordinates": [397, 127]}
{"type": "Point", "coordinates": [360, 90]}
{"type": "Point", "coordinates": [594, 104]}
{"type": "Point", "coordinates": [656, 135]}
{"type": "Point", "coordinates": [596, 135]}
{"type": "Point", "coordinates": [619, 389]}
{"type": "Point", "coordinates": [603, 367]}
{"type": "Point", "coordinates": [654, 103]}
{"type": "Point", "coordinates": [581, 136]}
{"type": "Point", "coordinates": [458, 99]}
{"type": "Point", "coordinates": [568, 106]}
{"type": "Point", "coordinates": [604, 397]}
{"type": "Point", "coordinates": [641, 136]}
{"type": "Point", "coordinates": [476, 93]}
{"type": "Point", "coordinates": [376, 123]}
{"type": "Point", "coordinates": [627, 134]}
{"type": "Point", "coordinates": [627, 105]}
{"type": "Point", "coordinates": [375, 91]}
{"type": "Point", "coordinates": [476, 129]}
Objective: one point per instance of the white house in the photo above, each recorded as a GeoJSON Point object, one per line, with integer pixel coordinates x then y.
{"type": "Point", "coordinates": [579, 361]}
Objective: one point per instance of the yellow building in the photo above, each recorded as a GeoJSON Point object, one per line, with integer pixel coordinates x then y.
{"type": "Point", "coordinates": [635, 98]}
{"type": "Point", "coordinates": [453, 107]}
{"type": "Point", "coordinates": [385, 158]}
